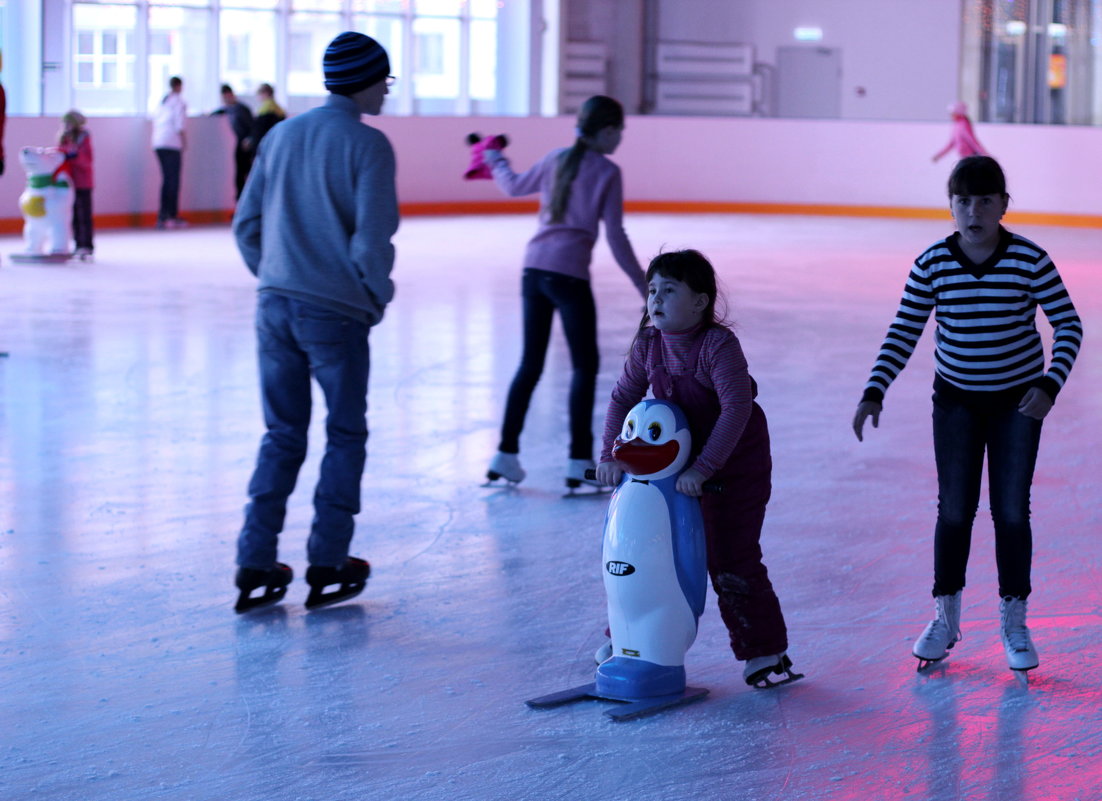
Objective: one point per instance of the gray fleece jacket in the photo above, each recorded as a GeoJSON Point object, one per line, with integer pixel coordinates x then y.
{"type": "Point", "coordinates": [316, 216]}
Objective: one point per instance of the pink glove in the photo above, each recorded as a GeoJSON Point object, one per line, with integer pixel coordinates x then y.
{"type": "Point", "coordinates": [478, 168]}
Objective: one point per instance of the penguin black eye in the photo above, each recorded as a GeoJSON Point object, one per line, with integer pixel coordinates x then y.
{"type": "Point", "coordinates": [655, 431]}
{"type": "Point", "coordinates": [629, 429]}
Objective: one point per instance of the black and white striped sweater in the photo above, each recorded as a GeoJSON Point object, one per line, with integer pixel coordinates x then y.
{"type": "Point", "coordinates": [986, 336]}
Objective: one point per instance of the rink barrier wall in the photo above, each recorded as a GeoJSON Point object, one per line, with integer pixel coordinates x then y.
{"type": "Point", "coordinates": [670, 165]}
{"type": "Point", "coordinates": [224, 216]}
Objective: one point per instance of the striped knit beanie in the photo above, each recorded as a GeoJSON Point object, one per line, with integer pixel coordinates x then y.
{"type": "Point", "coordinates": [353, 62]}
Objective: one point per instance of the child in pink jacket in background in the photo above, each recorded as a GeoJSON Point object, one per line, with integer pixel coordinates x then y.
{"type": "Point", "coordinates": [963, 138]}
{"type": "Point", "coordinates": [76, 143]}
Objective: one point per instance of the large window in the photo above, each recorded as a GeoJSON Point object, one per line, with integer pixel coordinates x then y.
{"type": "Point", "coordinates": [104, 58]}
{"type": "Point", "coordinates": [247, 48]}
{"type": "Point", "coordinates": [308, 34]}
{"type": "Point", "coordinates": [178, 37]}
{"type": "Point", "coordinates": [443, 51]}
{"type": "Point", "coordinates": [1034, 61]}
{"type": "Point", "coordinates": [122, 52]}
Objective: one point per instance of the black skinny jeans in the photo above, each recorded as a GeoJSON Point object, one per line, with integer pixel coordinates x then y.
{"type": "Point", "coordinates": [170, 160]}
{"type": "Point", "coordinates": [963, 431]}
{"type": "Point", "coordinates": [543, 293]}
{"type": "Point", "coordinates": [82, 219]}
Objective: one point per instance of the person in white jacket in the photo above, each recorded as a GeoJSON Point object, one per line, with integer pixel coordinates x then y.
{"type": "Point", "coordinates": [168, 144]}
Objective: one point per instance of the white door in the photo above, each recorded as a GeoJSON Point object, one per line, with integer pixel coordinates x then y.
{"type": "Point", "coordinates": [809, 82]}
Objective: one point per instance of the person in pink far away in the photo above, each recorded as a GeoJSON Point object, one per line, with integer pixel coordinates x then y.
{"type": "Point", "coordinates": [963, 138]}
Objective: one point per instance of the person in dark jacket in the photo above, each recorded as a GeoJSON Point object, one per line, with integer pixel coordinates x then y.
{"type": "Point", "coordinates": [240, 117]}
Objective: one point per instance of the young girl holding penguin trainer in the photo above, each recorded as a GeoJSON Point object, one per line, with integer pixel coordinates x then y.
{"type": "Point", "coordinates": [684, 354]}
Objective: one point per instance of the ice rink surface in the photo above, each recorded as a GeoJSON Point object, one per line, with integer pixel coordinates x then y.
{"type": "Point", "coordinates": [129, 422]}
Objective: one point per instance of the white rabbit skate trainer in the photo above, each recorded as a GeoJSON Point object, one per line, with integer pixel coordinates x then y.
{"type": "Point", "coordinates": [1020, 653]}
{"type": "Point", "coordinates": [941, 633]}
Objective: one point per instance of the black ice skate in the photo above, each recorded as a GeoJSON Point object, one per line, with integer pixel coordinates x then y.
{"type": "Point", "coordinates": [351, 576]}
{"type": "Point", "coordinates": [274, 581]}
{"type": "Point", "coordinates": [759, 672]}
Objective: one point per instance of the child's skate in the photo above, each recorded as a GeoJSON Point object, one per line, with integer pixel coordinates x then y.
{"type": "Point", "coordinates": [274, 581]}
{"type": "Point", "coordinates": [941, 633]}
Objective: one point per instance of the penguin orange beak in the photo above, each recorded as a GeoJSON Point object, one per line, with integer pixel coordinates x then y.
{"type": "Point", "coordinates": [641, 459]}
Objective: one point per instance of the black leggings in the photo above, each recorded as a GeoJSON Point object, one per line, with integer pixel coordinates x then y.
{"type": "Point", "coordinates": [170, 160]}
{"type": "Point", "coordinates": [544, 292]}
{"type": "Point", "coordinates": [82, 219]}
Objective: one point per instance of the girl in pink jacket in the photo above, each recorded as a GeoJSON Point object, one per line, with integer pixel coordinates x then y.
{"type": "Point", "coordinates": [76, 143]}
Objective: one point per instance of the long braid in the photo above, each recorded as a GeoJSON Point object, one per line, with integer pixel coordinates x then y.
{"type": "Point", "coordinates": [596, 113]}
{"type": "Point", "coordinates": [564, 176]}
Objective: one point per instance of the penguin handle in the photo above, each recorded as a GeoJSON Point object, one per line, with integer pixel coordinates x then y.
{"type": "Point", "coordinates": [712, 487]}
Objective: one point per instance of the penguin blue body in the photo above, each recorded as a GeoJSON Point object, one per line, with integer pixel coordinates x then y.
{"type": "Point", "coordinates": [654, 558]}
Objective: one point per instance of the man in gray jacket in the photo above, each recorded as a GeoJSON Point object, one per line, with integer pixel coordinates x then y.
{"type": "Point", "coordinates": [314, 224]}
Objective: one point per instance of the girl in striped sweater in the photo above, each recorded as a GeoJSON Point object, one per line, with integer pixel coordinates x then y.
{"type": "Point", "coordinates": [684, 354]}
{"type": "Point", "coordinates": [991, 392]}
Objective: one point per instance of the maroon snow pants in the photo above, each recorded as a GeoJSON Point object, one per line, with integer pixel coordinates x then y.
{"type": "Point", "coordinates": [732, 528]}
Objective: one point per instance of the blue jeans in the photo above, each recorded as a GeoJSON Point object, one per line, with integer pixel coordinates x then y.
{"type": "Point", "coordinates": [543, 293]}
{"type": "Point", "coordinates": [296, 339]}
{"type": "Point", "coordinates": [963, 431]}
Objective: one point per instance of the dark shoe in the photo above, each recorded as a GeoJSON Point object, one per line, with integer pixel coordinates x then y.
{"type": "Point", "coordinates": [351, 576]}
{"type": "Point", "coordinates": [274, 581]}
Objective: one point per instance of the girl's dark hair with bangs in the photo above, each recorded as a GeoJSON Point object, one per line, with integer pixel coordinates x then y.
{"type": "Point", "coordinates": [977, 175]}
{"type": "Point", "coordinates": [693, 269]}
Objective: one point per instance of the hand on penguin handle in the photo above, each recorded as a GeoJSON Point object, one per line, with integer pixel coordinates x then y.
{"type": "Point", "coordinates": [691, 483]}
{"type": "Point", "coordinates": [864, 410]}
{"type": "Point", "coordinates": [607, 473]}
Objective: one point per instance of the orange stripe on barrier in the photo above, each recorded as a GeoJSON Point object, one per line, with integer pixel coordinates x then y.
{"type": "Point", "coordinates": [452, 208]}
{"type": "Point", "coordinates": [472, 207]}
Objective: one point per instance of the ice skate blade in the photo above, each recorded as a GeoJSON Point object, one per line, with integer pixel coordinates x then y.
{"type": "Point", "coordinates": [927, 665]}
{"type": "Point", "coordinates": [492, 478]}
{"type": "Point", "coordinates": [628, 709]}
{"type": "Point", "coordinates": [41, 258]}
{"type": "Point", "coordinates": [271, 596]}
{"type": "Point", "coordinates": [319, 599]}
{"type": "Point", "coordinates": [585, 489]}
{"type": "Point", "coordinates": [760, 679]}
{"type": "Point", "coordinates": [274, 582]}
{"type": "Point", "coordinates": [350, 580]}
{"type": "Point", "coordinates": [766, 683]}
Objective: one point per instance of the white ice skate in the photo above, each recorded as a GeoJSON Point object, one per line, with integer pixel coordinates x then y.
{"type": "Point", "coordinates": [576, 476]}
{"type": "Point", "coordinates": [506, 466]}
{"type": "Point", "coordinates": [941, 633]}
{"type": "Point", "coordinates": [759, 671]}
{"type": "Point", "coordinates": [1020, 653]}
{"type": "Point", "coordinates": [604, 653]}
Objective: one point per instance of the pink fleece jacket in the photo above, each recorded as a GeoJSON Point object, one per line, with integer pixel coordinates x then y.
{"type": "Point", "coordinates": [596, 195]}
